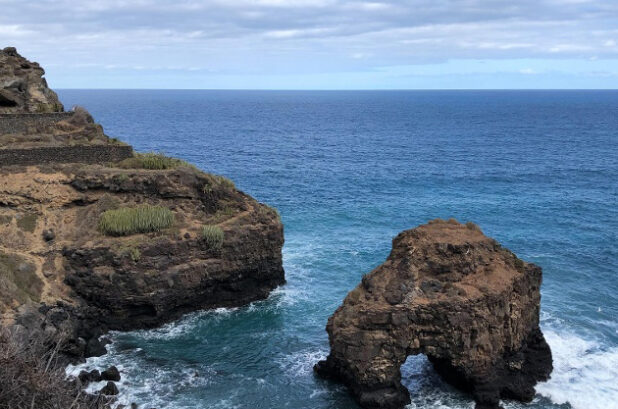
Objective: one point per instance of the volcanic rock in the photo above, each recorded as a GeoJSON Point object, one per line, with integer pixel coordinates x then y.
{"type": "Point", "coordinates": [110, 389]}
{"type": "Point", "coordinates": [111, 374]}
{"type": "Point", "coordinates": [87, 377]}
{"type": "Point", "coordinates": [22, 86]}
{"type": "Point", "coordinates": [62, 274]}
{"type": "Point", "coordinates": [455, 295]}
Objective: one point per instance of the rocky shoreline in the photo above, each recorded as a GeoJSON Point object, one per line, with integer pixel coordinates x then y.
{"type": "Point", "coordinates": [95, 246]}
{"type": "Point", "coordinates": [89, 245]}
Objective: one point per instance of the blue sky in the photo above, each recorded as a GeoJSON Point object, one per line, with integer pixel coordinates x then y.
{"type": "Point", "coordinates": [317, 44]}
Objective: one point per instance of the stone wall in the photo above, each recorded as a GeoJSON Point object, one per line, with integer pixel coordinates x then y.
{"type": "Point", "coordinates": [20, 123]}
{"type": "Point", "coordinates": [65, 154]}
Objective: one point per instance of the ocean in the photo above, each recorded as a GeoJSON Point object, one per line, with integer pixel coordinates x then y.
{"type": "Point", "coordinates": [536, 170]}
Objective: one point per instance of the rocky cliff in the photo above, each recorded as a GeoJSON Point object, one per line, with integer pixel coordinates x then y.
{"type": "Point", "coordinates": [455, 295]}
{"type": "Point", "coordinates": [22, 86]}
{"type": "Point", "coordinates": [87, 248]}
{"type": "Point", "coordinates": [53, 253]}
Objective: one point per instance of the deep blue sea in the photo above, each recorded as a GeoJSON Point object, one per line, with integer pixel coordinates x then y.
{"type": "Point", "coordinates": [537, 170]}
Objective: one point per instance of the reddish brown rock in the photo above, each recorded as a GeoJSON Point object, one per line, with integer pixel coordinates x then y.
{"type": "Point", "coordinates": [455, 295]}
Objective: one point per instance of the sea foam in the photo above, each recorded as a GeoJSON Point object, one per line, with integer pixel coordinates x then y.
{"type": "Point", "coordinates": [585, 372]}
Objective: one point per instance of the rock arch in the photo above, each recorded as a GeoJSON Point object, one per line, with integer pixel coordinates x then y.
{"type": "Point", "coordinates": [451, 293]}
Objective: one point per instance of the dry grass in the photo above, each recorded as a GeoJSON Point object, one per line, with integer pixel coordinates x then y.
{"type": "Point", "coordinates": [127, 221]}
{"type": "Point", "coordinates": [222, 215]}
{"type": "Point", "coordinates": [31, 377]}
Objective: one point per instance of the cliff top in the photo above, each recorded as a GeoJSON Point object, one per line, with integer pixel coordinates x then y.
{"type": "Point", "coordinates": [443, 260]}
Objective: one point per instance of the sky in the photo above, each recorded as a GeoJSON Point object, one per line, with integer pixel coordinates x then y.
{"type": "Point", "coordinates": [317, 44]}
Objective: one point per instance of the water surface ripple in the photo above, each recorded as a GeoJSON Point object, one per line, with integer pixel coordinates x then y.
{"type": "Point", "coordinates": [537, 170]}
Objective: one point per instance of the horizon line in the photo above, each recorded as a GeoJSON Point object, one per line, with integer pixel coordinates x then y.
{"type": "Point", "coordinates": [337, 89]}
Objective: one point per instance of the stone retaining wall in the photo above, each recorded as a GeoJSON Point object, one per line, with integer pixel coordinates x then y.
{"type": "Point", "coordinates": [20, 123]}
{"type": "Point", "coordinates": [65, 154]}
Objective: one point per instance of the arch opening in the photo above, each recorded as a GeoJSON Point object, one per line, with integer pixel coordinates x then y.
{"type": "Point", "coordinates": [427, 387]}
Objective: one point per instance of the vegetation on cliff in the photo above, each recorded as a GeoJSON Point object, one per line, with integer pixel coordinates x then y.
{"type": "Point", "coordinates": [142, 219]}
{"type": "Point", "coordinates": [90, 247]}
{"type": "Point", "coordinates": [213, 235]}
{"type": "Point", "coordinates": [152, 161]}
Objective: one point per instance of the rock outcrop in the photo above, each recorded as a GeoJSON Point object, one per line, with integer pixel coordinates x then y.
{"type": "Point", "coordinates": [22, 86]}
{"type": "Point", "coordinates": [455, 295]}
{"type": "Point", "coordinates": [63, 275]}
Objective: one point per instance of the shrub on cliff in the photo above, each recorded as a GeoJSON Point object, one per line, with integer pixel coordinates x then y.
{"type": "Point", "coordinates": [32, 377]}
{"type": "Point", "coordinates": [215, 182]}
{"type": "Point", "coordinates": [213, 236]}
{"type": "Point", "coordinates": [152, 161]}
{"type": "Point", "coordinates": [143, 219]}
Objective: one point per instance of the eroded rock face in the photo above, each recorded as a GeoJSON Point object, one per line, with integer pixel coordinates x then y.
{"type": "Point", "coordinates": [88, 283]}
{"type": "Point", "coordinates": [63, 275]}
{"type": "Point", "coordinates": [455, 295]}
{"type": "Point", "coordinates": [22, 86]}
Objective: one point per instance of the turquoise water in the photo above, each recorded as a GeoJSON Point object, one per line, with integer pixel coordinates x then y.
{"type": "Point", "coordinates": [537, 170]}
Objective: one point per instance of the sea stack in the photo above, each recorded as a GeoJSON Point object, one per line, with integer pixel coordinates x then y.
{"type": "Point", "coordinates": [451, 293]}
{"type": "Point", "coordinates": [95, 237]}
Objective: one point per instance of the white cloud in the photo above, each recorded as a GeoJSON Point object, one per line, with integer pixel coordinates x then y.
{"type": "Point", "coordinates": [13, 30]}
{"type": "Point", "coordinates": [283, 37]}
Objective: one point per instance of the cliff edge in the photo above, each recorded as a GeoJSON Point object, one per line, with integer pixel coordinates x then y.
{"type": "Point", "coordinates": [455, 295]}
{"type": "Point", "coordinates": [95, 237]}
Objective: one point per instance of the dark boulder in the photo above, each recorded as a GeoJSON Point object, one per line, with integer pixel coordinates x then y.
{"type": "Point", "coordinates": [110, 389]}
{"type": "Point", "coordinates": [86, 377]}
{"type": "Point", "coordinates": [49, 235]}
{"type": "Point", "coordinates": [111, 374]}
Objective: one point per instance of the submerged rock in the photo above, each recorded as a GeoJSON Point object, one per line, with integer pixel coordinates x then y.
{"type": "Point", "coordinates": [111, 374]}
{"type": "Point", "coordinates": [455, 295]}
{"type": "Point", "coordinates": [110, 389]}
{"type": "Point", "coordinates": [86, 377]}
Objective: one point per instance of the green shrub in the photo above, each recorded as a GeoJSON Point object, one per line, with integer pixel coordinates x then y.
{"type": "Point", "coordinates": [519, 264]}
{"type": "Point", "coordinates": [213, 236]}
{"type": "Point", "coordinates": [18, 281]}
{"type": "Point", "coordinates": [267, 211]}
{"type": "Point", "coordinates": [143, 219]}
{"type": "Point", "coordinates": [27, 222]}
{"type": "Point", "coordinates": [225, 182]}
{"type": "Point", "coordinates": [5, 219]}
{"type": "Point", "coordinates": [217, 182]}
{"type": "Point", "coordinates": [152, 161]}
{"type": "Point", "coordinates": [135, 255]}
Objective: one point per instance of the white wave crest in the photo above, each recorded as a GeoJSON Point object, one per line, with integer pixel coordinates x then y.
{"type": "Point", "coordinates": [301, 363]}
{"type": "Point", "coordinates": [585, 372]}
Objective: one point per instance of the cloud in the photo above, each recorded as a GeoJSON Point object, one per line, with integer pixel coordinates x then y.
{"type": "Point", "coordinates": [285, 37]}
